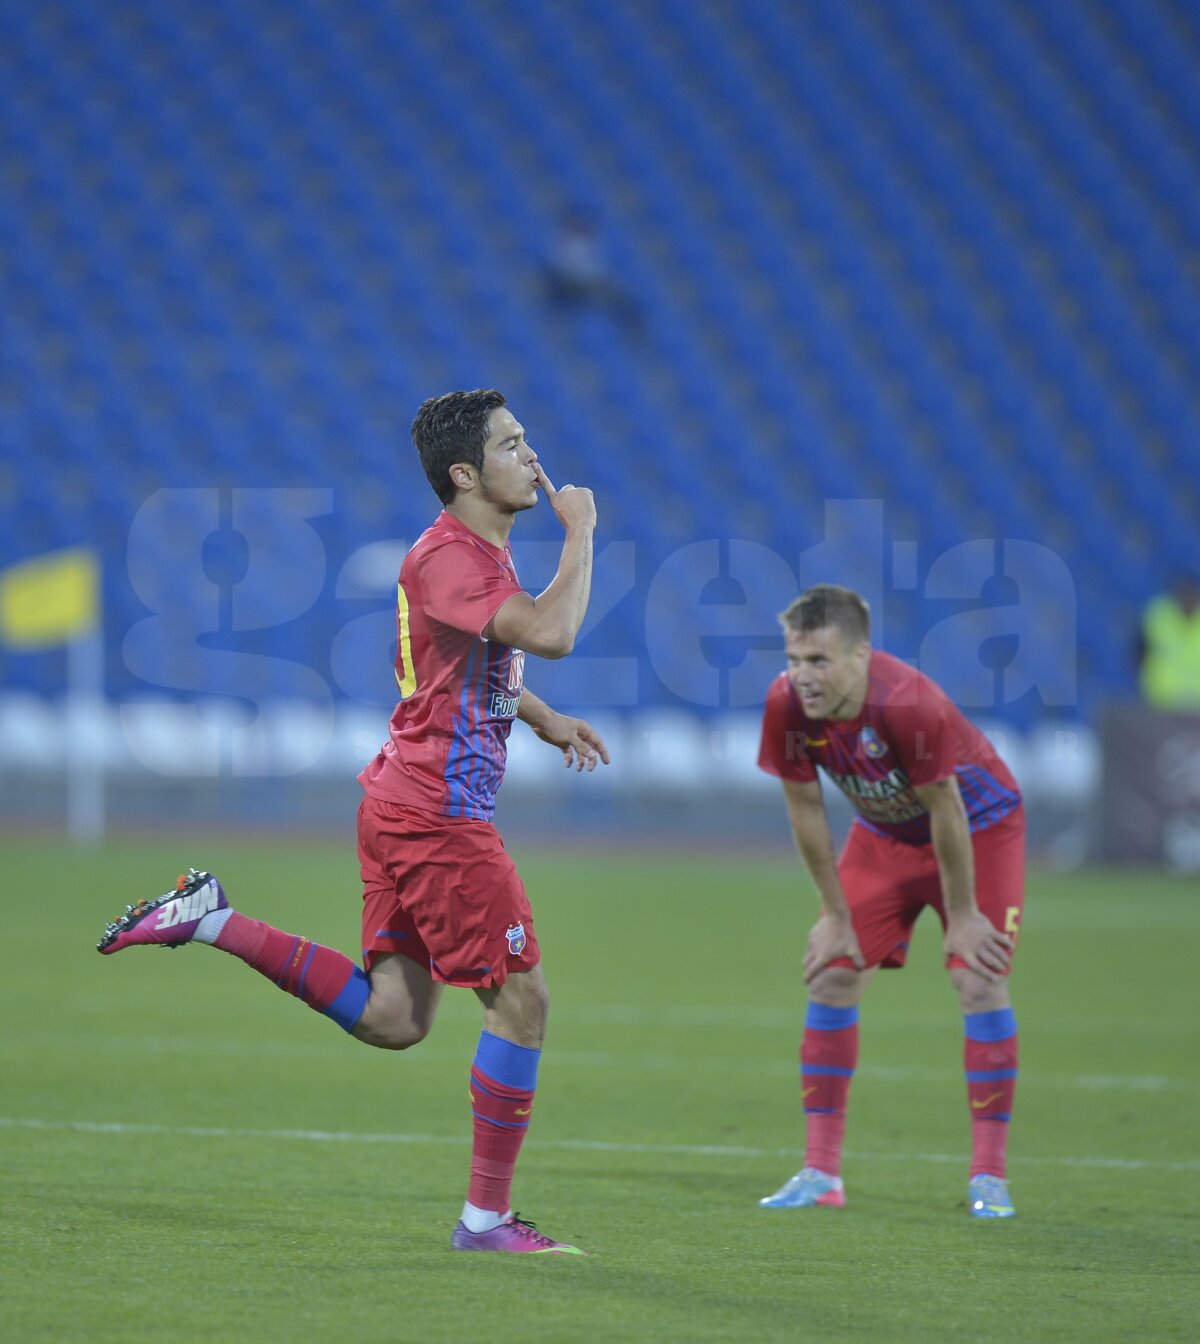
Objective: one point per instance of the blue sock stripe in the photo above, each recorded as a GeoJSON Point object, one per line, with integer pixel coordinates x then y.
{"type": "Point", "coordinates": [991, 1076]}
{"type": "Point", "coordinates": [312, 952]}
{"type": "Point", "coordinates": [477, 1080]}
{"type": "Point", "coordinates": [832, 1070]}
{"type": "Point", "coordinates": [348, 1007]}
{"type": "Point", "coordinates": [288, 962]}
{"type": "Point", "coordinates": [501, 1124]}
{"type": "Point", "coordinates": [821, 1017]}
{"type": "Point", "coordinates": [998, 1025]}
{"type": "Point", "coordinates": [820, 1110]}
{"type": "Point", "coordinates": [507, 1063]}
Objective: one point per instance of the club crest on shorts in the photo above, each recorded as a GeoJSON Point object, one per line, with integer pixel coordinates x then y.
{"type": "Point", "coordinates": [871, 746]}
{"type": "Point", "coordinates": [515, 933]}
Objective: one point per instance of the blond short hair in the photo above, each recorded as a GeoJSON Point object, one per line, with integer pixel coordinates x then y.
{"type": "Point", "coordinates": [828, 605]}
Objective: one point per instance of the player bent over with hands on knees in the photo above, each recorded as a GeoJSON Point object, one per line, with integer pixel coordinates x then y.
{"type": "Point", "coordinates": [442, 901]}
{"type": "Point", "coordinates": [939, 823]}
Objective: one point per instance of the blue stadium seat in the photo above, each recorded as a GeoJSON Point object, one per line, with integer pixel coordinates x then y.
{"type": "Point", "coordinates": [940, 256]}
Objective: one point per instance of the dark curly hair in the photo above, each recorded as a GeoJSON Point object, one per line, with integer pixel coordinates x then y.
{"type": "Point", "coordinates": [453, 428]}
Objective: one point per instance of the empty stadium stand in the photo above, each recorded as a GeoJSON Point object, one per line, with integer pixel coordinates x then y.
{"type": "Point", "coordinates": [940, 256]}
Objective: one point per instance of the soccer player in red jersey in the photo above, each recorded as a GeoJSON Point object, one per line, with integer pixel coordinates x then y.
{"type": "Point", "coordinates": [939, 823]}
{"type": "Point", "coordinates": [442, 901]}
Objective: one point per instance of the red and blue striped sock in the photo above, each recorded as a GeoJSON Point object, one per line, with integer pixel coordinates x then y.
{"type": "Point", "coordinates": [990, 1060]}
{"type": "Point", "coordinates": [324, 978]}
{"type": "Point", "coordinates": [828, 1055]}
{"type": "Point", "coordinates": [503, 1082]}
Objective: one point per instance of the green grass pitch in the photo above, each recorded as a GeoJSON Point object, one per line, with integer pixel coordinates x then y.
{"type": "Point", "coordinates": [188, 1154]}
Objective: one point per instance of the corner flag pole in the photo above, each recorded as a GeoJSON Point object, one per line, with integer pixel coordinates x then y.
{"type": "Point", "coordinates": [85, 724]}
{"type": "Point", "coordinates": [53, 601]}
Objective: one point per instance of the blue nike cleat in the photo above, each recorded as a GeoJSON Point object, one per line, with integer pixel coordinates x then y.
{"type": "Point", "coordinates": [987, 1197]}
{"type": "Point", "coordinates": [806, 1190]}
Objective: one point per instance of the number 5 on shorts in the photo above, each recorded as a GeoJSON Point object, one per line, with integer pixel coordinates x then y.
{"type": "Point", "coordinates": [1012, 922]}
{"type": "Point", "coordinates": [408, 682]}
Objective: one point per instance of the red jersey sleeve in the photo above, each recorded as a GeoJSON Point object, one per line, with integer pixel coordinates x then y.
{"type": "Point", "coordinates": [782, 749]}
{"type": "Point", "coordinates": [464, 587]}
{"type": "Point", "coordinates": [921, 729]}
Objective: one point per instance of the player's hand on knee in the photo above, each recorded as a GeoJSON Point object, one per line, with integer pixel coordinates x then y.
{"type": "Point", "coordinates": [976, 940]}
{"type": "Point", "coordinates": [831, 937]}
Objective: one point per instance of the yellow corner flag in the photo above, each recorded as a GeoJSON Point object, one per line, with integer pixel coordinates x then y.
{"type": "Point", "coordinates": [50, 600]}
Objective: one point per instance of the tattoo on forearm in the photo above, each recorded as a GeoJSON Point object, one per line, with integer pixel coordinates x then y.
{"type": "Point", "coordinates": [585, 579]}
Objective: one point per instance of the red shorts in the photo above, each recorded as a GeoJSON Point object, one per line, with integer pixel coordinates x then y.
{"type": "Point", "coordinates": [888, 884]}
{"type": "Point", "coordinates": [443, 891]}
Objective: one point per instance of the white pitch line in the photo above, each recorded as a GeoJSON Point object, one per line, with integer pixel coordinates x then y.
{"type": "Point", "coordinates": [560, 1145]}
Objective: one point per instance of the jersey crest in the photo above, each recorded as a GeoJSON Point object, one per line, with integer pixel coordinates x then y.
{"type": "Point", "coordinates": [869, 743]}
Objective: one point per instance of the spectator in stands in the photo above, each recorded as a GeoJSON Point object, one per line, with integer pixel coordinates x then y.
{"type": "Point", "coordinates": [577, 274]}
{"type": "Point", "coordinates": [1170, 648]}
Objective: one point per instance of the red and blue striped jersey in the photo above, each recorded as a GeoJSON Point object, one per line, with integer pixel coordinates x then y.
{"type": "Point", "coordinates": [909, 732]}
{"type": "Point", "coordinates": [459, 693]}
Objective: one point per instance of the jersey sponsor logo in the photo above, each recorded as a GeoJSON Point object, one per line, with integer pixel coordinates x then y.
{"type": "Point", "coordinates": [516, 672]}
{"type": "Point", "coordinates": [515, 933]}
{"type": "Point", "coordinates": [889, 799]}
{"type": "Point", "coordinates": [894, 783]}
{"type": "Point", "coordinates": [503, 705]}
{"type": "Point", "coordinates": [869, 743]}
{"type": "Point", "coordinates": [184, 908]}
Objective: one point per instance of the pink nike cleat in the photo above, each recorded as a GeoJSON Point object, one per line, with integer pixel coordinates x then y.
{"type": "Point", "coordinates": [169, 920]}
{"type": "Point", "coordinates": [513, 1235]}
